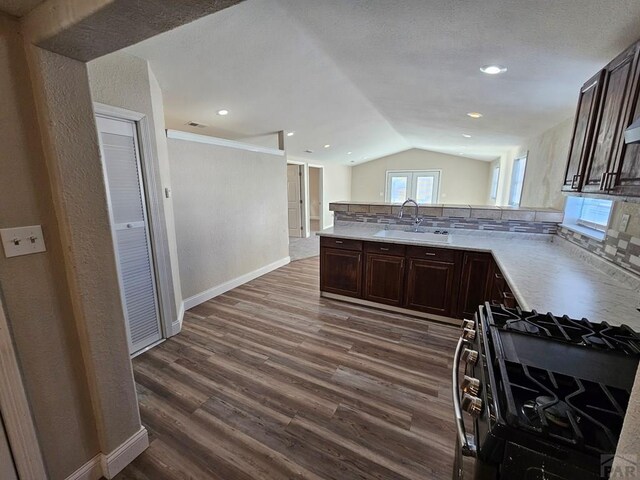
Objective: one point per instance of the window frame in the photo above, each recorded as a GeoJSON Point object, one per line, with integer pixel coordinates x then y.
{"type": "Point", "coordinates": [412, 176]}
{"type": "Point", "coordinates": [495, 182]}
{"type": "Point", "coordinates": [573, 209]}
{"type": "Point", "coordinates": [515, 197]}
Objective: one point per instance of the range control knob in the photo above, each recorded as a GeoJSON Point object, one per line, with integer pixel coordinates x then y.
{"type": "Point", "coordinates": [470, 356]}
{"type": "Point", "coordinates": [470, 385]}
{"type": "Point", "coordinates": [471, 404]}
{"type": "Point", "coordinates": [468, 324]}
{"type": "Point", "coordinates": [468, 334]}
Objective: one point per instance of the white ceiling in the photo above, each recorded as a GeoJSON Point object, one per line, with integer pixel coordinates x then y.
{"type": "Point", "coordinates": [18, 8]}
{"type": "Point", "coordinates": [376, 77]}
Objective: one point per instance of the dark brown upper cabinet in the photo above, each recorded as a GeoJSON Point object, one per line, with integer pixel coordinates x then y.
{"type": "Point", "coordinates": [625, 178]}
{"type": "Point", "coordinates": [582, 133]}
{"type": "Point", "coordinates": [619, 77]}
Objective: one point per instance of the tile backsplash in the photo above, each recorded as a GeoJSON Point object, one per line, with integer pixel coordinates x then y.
{"type": "Point", "coordinates": [620, 248]}
{"type": "Point", "coordinates": [517, 226]}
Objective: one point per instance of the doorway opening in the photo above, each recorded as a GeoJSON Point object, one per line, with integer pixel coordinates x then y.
{"type": "Point", "coordinates": [315, 199]}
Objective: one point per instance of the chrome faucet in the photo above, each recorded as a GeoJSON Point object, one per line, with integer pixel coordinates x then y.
{"type": "Point", "coordinates": [417, 220]}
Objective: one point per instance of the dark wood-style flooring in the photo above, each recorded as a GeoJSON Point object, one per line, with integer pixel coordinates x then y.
{"type": "Point", "coordinates": [270, 381]}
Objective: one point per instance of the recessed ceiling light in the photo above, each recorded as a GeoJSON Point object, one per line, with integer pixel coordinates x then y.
{"type": "Point", "coordinates": [352, 161]}
{"type": "Point", "coordinates": [466, 135]}
{"type": "Point", "coordinates": [308, 151]}
{"type": "Point", "coordinates": [461, 153]}
{"type": "Point", "coordinates": [291, 134]}
{"type": "Point", "coordinates": [327, 146]}
{"type": "Point", "coordinates": [223, 112]}
{"type": "Point", "coordinates": [349, 153]}
{"type": "Point", "coordinates": [474, 114]}
{"type": "Point", "coordinates": [493, 69]}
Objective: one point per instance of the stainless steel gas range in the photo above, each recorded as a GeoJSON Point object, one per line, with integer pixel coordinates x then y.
{"type": "Point", "coordinates": [545, 395]}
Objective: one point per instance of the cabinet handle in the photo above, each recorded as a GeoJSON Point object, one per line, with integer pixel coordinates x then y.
{"type": "Point", "coordinates": [339, 241]}
{"type": "Point", "coordinates": [573, 182]}
{"type": "Point", "coordinates": [384, 249]}
{"type": "Point", "coordinates": [430, 254]}
{"type": "Point", "coordinates": [498, 276]}
{"type": "Point", "coordinates": [507, 295]}
{"type": "Point", "coordinates": [610, 175]}
{"type": "Point", "coordinates": [602, 180]}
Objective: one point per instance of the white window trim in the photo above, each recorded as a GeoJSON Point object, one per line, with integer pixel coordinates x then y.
{"type": "Point", "coordinates": [573, 222]}
{"type": "Point", "coordinates": [387, 193]}
{"type": "Point", "coordinates": [519, 158]}
{"type": "Point", "coordinates": [495, 187]}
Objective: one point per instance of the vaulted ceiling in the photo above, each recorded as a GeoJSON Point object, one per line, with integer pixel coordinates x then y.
{"type": "Point", "coordinates": [374, 77]}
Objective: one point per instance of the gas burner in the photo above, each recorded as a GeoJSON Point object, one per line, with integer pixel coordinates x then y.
{"type": "Point", "coordinates": [554, 410]}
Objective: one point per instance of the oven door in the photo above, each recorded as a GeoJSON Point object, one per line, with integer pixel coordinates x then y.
{"type": "Point", "coordinates": [471, 468]}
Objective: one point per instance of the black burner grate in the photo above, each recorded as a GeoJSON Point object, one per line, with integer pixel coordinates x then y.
{"type": "Point", "coordinates": [578, 332]}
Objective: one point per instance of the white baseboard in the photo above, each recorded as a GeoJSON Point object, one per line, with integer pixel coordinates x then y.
{"type": "Point", "coordinates": [92, 470]}
{"type": "Point", "coordinates": [176, 326]}
{"type": "Point", "coordinates": [114, 462]}
{"type": "Point", "coordinates": [110, 465]}
{"type": "Point", "coordinates": [231, 284]}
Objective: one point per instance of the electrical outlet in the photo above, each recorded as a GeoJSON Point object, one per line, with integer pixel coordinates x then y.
{"type": "Point", "coordinates": [624, 223]}
{"type": "Point", "coordinates": [22, 240]}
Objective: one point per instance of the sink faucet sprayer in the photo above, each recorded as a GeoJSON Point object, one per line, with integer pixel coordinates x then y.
{"type": "Point", "coordinates": [417, 221]}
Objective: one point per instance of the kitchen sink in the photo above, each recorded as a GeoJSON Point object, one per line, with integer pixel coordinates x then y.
{"type": "Point", "coordinates": [427, 237]}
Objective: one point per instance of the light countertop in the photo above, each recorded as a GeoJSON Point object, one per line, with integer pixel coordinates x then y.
{"type": "Point", "coordinates": [545, 272]}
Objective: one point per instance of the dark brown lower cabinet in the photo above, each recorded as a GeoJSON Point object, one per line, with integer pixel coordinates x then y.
{"type": "Point", "coordinates": [432, 286]}
{"type": "Point", "coordinates": [341, 272]}
{"type": "Point", "coordinates": [384, 278]}
{"type": "Point", "coordinates": [440, 281]}
{"type": "Point", "coordinates": [475, 283]}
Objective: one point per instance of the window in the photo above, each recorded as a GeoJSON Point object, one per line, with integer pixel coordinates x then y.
{"type": "Point", "coordinates": [495, 177]}
{"type": "Point", "coordinates": [589, 216]}
{"type": "Point", "coordinates": [517, 180]}
{"type": "Point", "coordinates": [422, 185]}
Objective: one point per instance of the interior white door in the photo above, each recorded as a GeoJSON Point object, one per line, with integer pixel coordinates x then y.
{"type": "Point", "coordinates": [130, 229]}
{"type": "Point", "coordinates": [294, 196]}
{"type": "Point", "coordinates": [7, 467]}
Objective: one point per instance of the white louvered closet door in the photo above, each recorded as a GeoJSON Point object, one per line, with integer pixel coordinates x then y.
{"type": "Point", "coordinates": [121, 160]}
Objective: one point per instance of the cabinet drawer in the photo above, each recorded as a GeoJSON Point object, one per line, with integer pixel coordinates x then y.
{"type": "Point", "coordinates": [432, 253]}
{"type": "Point", "coordinates": [342, 243]}
{"type": "Point", "coordinates": [384, 248]}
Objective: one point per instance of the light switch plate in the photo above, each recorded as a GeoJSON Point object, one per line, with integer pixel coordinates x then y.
{"type": "Point", "coordinates": [22, 240]}
{"type": "Point", "coordinates": [624, 223]}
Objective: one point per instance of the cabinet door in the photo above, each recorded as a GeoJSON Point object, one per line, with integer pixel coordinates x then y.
{"type": "Point", "coordinates": [475, 283]}
{"type": "Point", "coordinates": [384, 278]}
{"type": "Point", "coordinates": [614, 106]}
{"type": "Point", "coordinates": [341, 272]}
{"type": "Point", "coordinates": [431, 286]}
{"type": "Point", "coordinates": [626, 180]}
{"type": "Point", "coordinates": [582, 133]}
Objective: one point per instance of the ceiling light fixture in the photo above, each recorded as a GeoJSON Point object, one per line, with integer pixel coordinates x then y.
{"type": "Point", "coordinates": [327, 146]}
{"type": "Point", "coordinates": [290, 134]}
{"type": "Point", "coordinates": [493, 69]}
{"type": "Point", "coordinates": [308, 151]}
{"type": "Point", "coordinates": [466, 135]}
{"type": "Point", "coordinates": [474, 114]}
{"type": "Point", "coordinates": [223, 112]}
{"type": "Point", "coordinates": [349, 153]}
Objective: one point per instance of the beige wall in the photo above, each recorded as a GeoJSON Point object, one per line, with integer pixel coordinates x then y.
{"type": "Point", "coordinates": [463, 180]}
{"type": "Point", "coordinates": [34, 287]}
{"type": "Point", "coordinates": [125, 81]}
{"type": "Point", "coordinates": [230, 210]}
{"type": "Point", "coordinates": [336, 185]}
{"type": "Point", "coordinates": [546, 163]}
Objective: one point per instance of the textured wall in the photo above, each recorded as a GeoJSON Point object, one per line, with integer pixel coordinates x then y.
{"type": "Point", "coordinates": [126, 81]}
{"type": "Point", "coordinates": [34, 287]}
{"type": "Point", "coordinates": [336, 187]}
{"type": "Point", "coordinates": [463, 180]}
{"type": "Point", "coordinates": [63, 103]}
{"type": "Point", "coordinates": [230, 210]}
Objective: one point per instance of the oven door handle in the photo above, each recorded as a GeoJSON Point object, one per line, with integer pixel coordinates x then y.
{"type": "Point", "coordinates": [467, 442]}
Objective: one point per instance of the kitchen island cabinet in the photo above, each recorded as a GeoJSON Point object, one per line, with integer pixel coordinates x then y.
{"type": "Point", "coordinates": [427, 280]}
